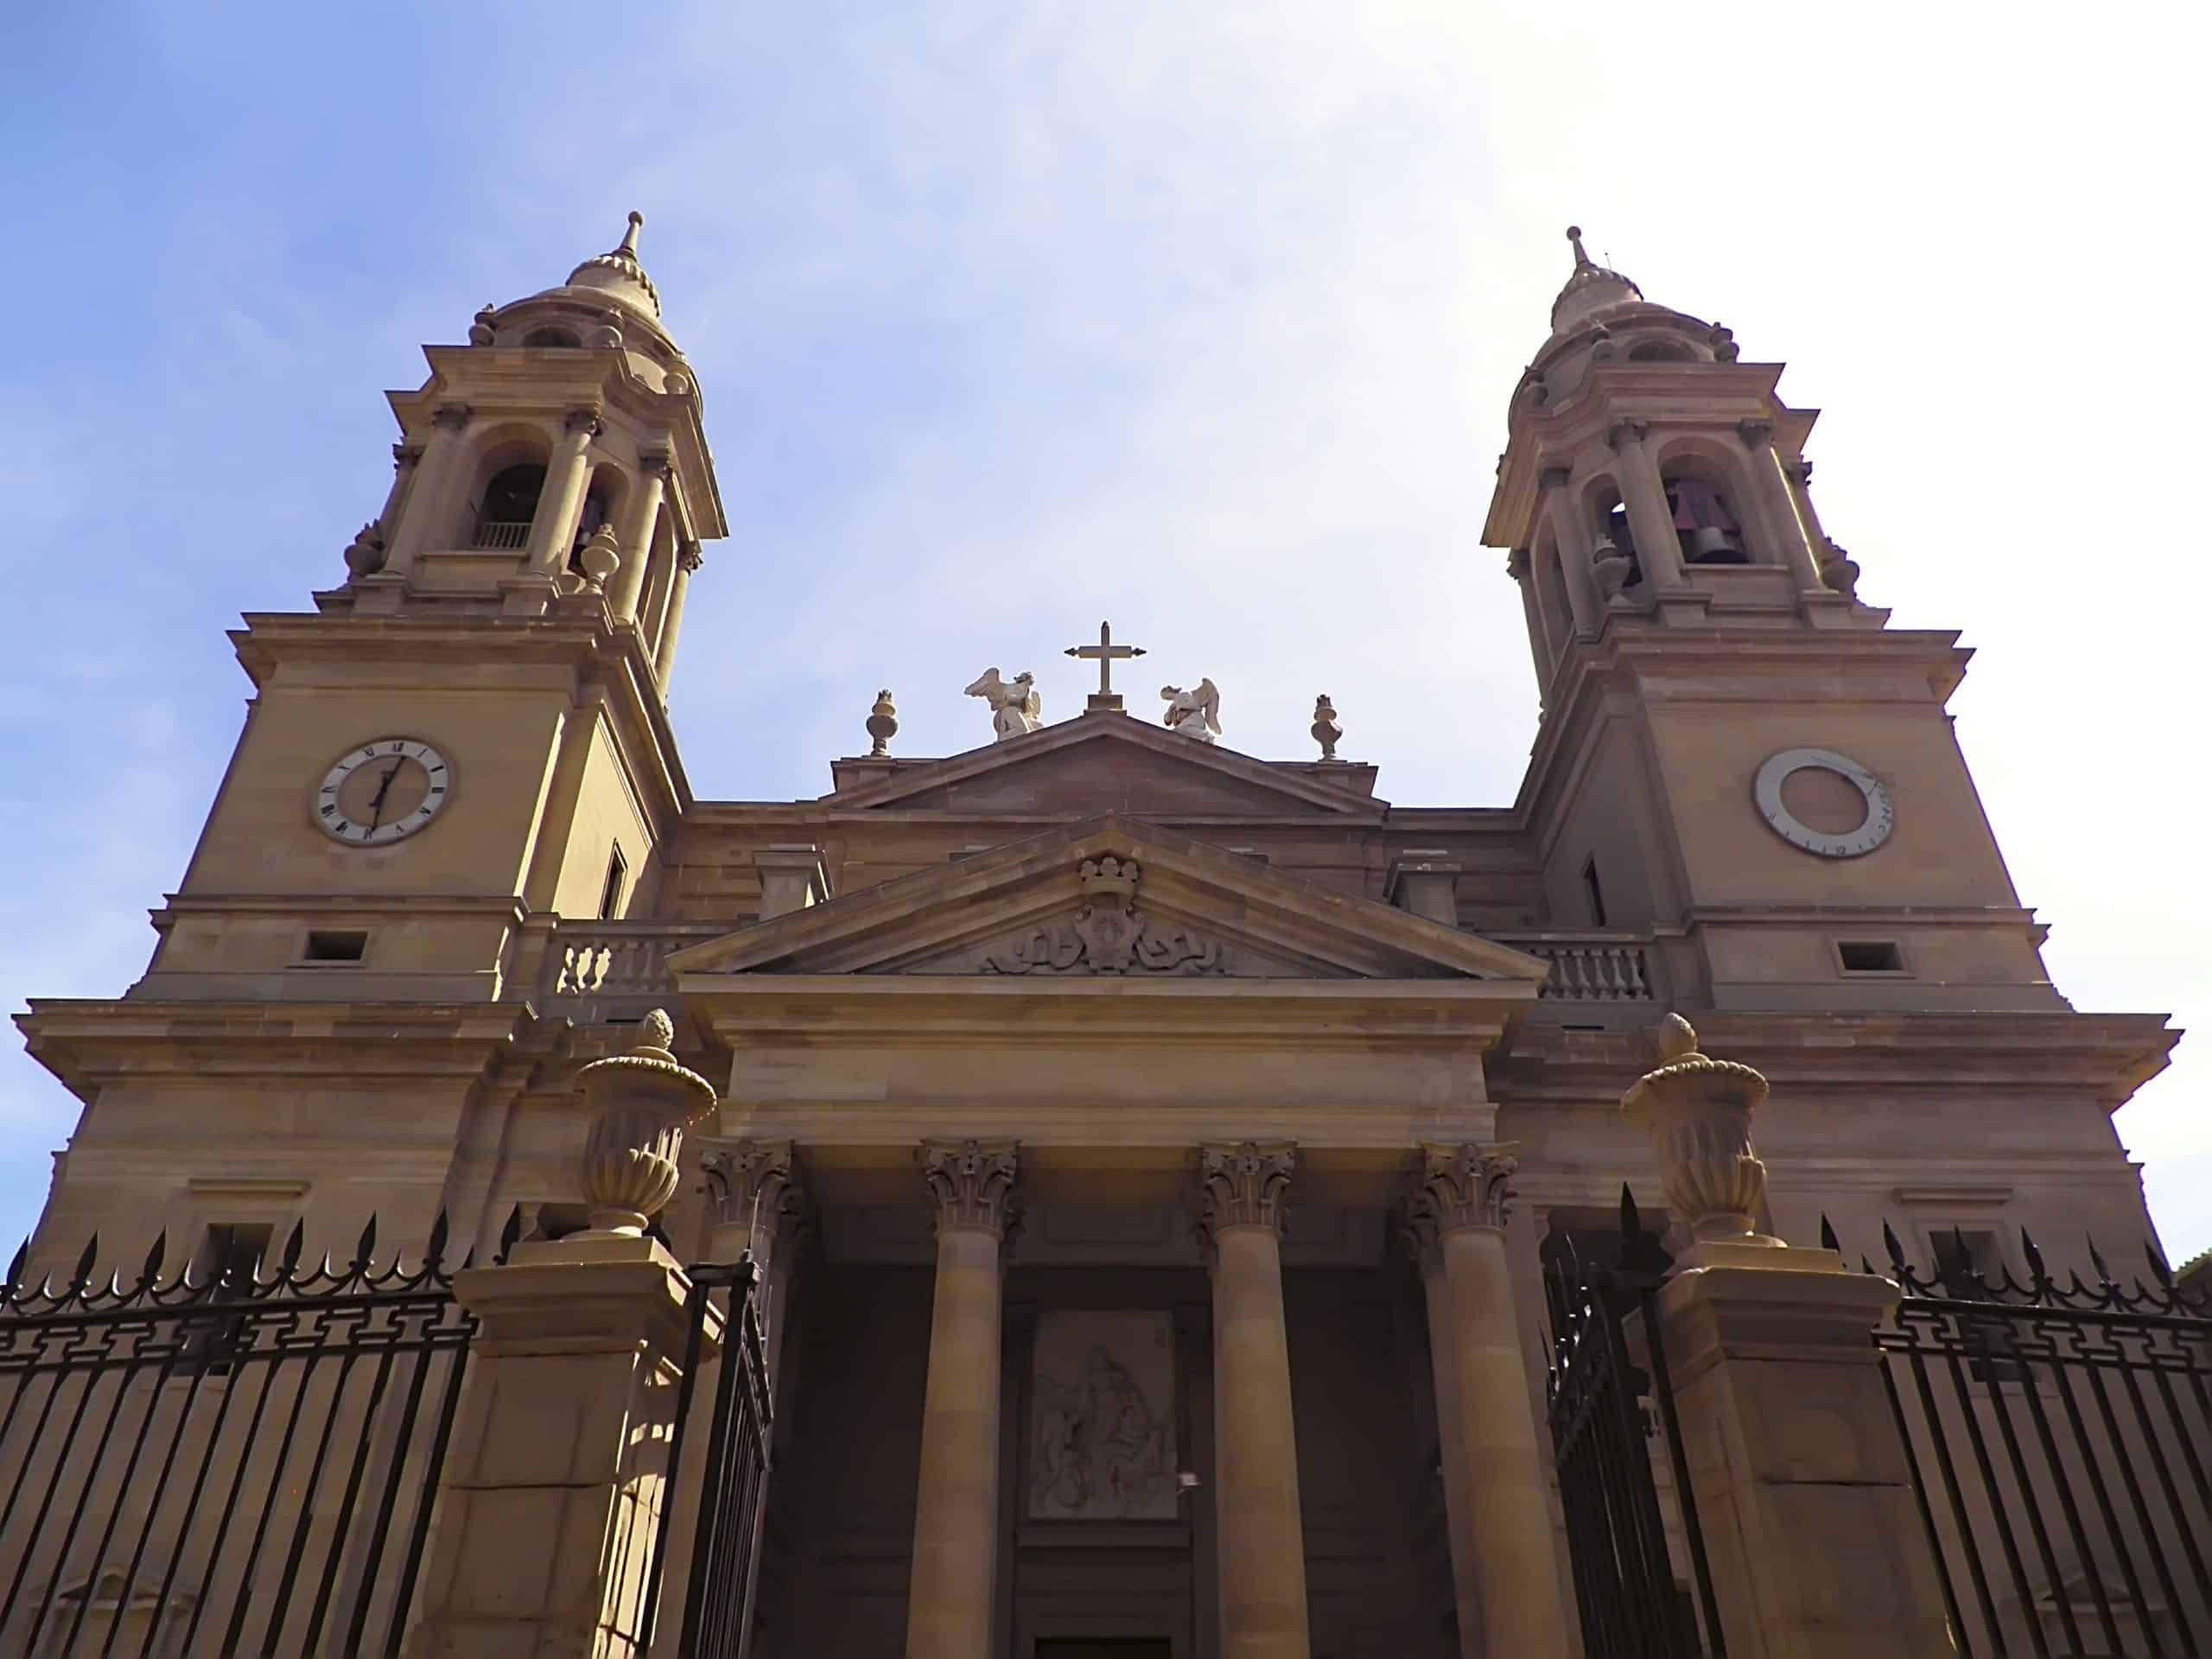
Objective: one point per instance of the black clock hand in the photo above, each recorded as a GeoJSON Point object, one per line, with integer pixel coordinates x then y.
{"type": "Point", "coordinates": [376, 803]}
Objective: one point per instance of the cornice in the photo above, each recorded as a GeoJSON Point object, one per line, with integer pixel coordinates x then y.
{"type": "Point", "coordinates": [89, 1045]}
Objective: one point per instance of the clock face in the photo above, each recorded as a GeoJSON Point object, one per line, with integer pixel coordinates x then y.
{"type": "Point", "coordinates": [1874, 828]}
{"type": "Point", "coordinates": [383, 790]}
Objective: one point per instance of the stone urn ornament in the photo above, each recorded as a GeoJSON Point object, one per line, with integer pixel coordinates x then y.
{"type": "Point", "coordinates": [640, 1102]}
{"type": "Point", "coordinates": [1697, 1111]}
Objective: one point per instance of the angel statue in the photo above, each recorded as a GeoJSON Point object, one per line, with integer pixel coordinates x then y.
{"type": "Point", "coordinates": [1015, 706]}
{"type": "Point", "coordinates": [1193, 714]}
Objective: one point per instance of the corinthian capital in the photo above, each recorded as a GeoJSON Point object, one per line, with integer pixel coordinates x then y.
{"type": "Point", "coordinates": [970, 1183]}
{"type": "Point", "coordinates": [754, 1185]}
{"type": "Point", "coordinates": [1243, 1182]}
{"type": "Point", "coordinates": [452, 416]}
{"type": "Point", "coordinates": [1621, 434]}
{"type": "Point", "coordinates": [1465, 1186]}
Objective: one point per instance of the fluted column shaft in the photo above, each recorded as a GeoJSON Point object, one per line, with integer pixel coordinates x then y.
{"type": "Point", "coordinates": [1643, 493]}
{"type": "Point", "coordinates": [950, 1595]}
{"type": "Point", "coordinates": [561, 501]}
{"type": "Point", "coordinates": [1504, 1561]}
{"type": "Point", "coordinates": [1261, 1537]}
{"type": "Point", "coordinates": [687, 559]}
{"type": "Point", "coordinates": [637, 538]}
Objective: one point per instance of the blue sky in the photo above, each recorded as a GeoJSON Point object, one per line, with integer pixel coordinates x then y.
{"type": "Point", "coordinates": [1201, 317]}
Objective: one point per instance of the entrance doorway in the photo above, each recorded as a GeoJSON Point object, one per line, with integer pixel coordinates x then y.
{"type": "Point", "coordinates": [1104, 1647]}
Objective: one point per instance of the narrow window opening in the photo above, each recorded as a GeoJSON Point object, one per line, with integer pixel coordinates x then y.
{"type": "Point", "coordinates": [610, 896]}
{"type": "Point", "coordinates": [231, 1255]}
{"type": "Point", "coordinates": [1594, 892]}
{"type": "Point", "coordinates": [336, 946]}
{"type": "Point", "coordinates": [1870, 956]}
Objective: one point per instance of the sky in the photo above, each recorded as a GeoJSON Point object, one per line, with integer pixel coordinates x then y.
{"type": "Point", "coordinates": [1203, 317]}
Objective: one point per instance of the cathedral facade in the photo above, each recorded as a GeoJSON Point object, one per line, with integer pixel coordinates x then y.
{"type": "Point", "coordinates": [1154, 1150]}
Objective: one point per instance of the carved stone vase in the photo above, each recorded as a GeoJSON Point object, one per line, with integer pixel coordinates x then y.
{"type": "Point", "coordinates": [640, 1102]}
{"type": "Point", "coordinates": [1697, 1111]}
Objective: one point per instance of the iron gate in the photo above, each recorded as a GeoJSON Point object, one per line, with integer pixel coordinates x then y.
{"type": "Point", "coordinates": [1641, 1586]}
{"type": "Point", "coordinates": [223, 1461]}
{"type": "Point", "coordinates": [2059, 1438]}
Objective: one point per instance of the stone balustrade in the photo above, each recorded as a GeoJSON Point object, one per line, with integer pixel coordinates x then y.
{"type": "Point", "coordinates": [625, 959]}
{"type": "Point", "coordinates": [619, 959]}
{"type": "Point", "coordinates": [1589, 968]}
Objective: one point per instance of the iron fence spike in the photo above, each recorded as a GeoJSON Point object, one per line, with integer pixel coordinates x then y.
{"type": "Point", "coordinates": [295, 1242]}
{"type": "Point", "coordinates": [435, 1253]}
{"type": "Point", "coordinates": [152, 1270]}
{"type": "Point", "coordinates": [1891, 1243]}
{"type": "Point", "coordinates": [365, 1252]}
{"type": "Point", "coordinates": [1828, 1240]}
{"type": "Point", "coordinates": [2042, 1277]}
{"type": "Point", "coordinates": [16, 1268]}
{"type": "Point", "coordinates": [2097, 1260]}
{"type": "Point", "coordinates": [2159, 1270]}
{"type": "Point", "coordinates": [82, 1278]}
{"type": "Point", "coordinates": [509, 1234]}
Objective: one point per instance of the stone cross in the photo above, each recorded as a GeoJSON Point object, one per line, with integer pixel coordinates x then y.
{"type": "Point", "coordinates": [1105, 653]}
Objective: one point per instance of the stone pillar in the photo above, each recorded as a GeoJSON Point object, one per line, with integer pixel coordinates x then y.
{"type": "Point", "coordinates": [792, 878]}
{"type": "Point", "coordinates": [1518, 565]}
{"type": "Point", "coordinates": [952, 1598]}
{"type": "Point", "coordinates": [637, 540]}
{"type": "Point", "coordinates": [406, 458]}
{"type": "Point", "coordinates": [1580, 581]}
{"type": "Point", "coordinates": [687, 559]}
{"type": "Point", "coordinates": [550, 1499]}
{"type": "Point", "coordinates": [1261, 1536]}
{"type": "Point", "coordinates": [1796, 1463]}
{"type": "Point", "coordinates": [561, 502]}
{"type": "Point", "coordinates": [1504, 1563]}
{"type": "Point", "coordinates": [1643, 493]}
{"type": "Point", "coordinates": [428, 522]}
{"type": "Point", "coordinates": [548, 1506]}
{"type": "Point", "coordinates": [1776, 505]}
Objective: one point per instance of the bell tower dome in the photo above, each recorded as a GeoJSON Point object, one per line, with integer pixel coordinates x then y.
{"type": "Point", "coordinates": [555, 462]}
{"type": "Point", "coordinates": [1651, 477]}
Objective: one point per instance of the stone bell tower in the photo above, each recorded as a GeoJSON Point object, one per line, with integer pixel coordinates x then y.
{"type": "Point", "coordinates": [468, 737]}
{"type": "Point", "coordinates": [1736, 753]}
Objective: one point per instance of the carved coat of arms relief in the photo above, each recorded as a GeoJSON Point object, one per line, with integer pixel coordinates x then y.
{"type": "Point", "coordinates": [1109, 935]}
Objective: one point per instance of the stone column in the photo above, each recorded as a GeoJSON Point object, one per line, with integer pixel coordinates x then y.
{"type": "Point", "coordinates": [755, 1204]}
{"type": "Point", "coordinates": [687, 559]}
{"type": "Point", "coordinates": [406, 458]}
{"type": "Point", "coordinates": [1776, 505]}
{"type": "Point", "coordinates": [1643, 493]}
{"type": "Point", "coordinates": [1580, 581]}
{"type": "Point", "coordinates": [1504, 1563]}
{"type": "Point", "coordinates": [1262, 1535]}
{"type": "Point", "coordinates": [638, 539]}
{"type": "Point", "coordinates": [560, 502]}
{"type": "Point", "coordinates": [1518, 565]}
{"type": "Point", "coordinates": [952, 1596]}
{"type": "Point", "coordinates": [427, 522]}
{"type": "Point", "coordinates": [1798, 1469]}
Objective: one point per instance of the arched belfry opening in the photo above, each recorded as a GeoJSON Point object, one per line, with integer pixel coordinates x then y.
{"type": "Point", "coordinates": [507, 506]}
{"type": "Point", "coordinates": [1706, 517]}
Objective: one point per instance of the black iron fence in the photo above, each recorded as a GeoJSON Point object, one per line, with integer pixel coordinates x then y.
{"type": "Point", "coordinates": [709, 1537]}
{"type": "Point", "coordinates": [1642, 1586]}
{"type": "Point", "coordinates": [239, 1459]}
{"type": "Point", "coordinates": [2059, 1436]}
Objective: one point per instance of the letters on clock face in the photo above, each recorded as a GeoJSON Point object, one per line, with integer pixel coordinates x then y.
{"type": "Point", "coordinates": [382, 791]}
{"type": "Point", "coordinates": [1874, 830]}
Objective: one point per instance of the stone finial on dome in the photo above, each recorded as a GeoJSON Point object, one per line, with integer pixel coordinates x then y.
{"type": "Point", "coordinates": [1591, 288]}
{"type": "Point", "coordinates": [618, 272]}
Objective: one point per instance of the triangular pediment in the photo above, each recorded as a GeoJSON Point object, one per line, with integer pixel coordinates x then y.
{"type": "Point", "coordinates": [1111, 763]}
{"type": "Point", "coordinates": [1108, 898]}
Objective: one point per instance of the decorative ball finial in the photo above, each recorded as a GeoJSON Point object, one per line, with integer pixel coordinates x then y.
{"type": "Point", "coordinates": [1675, 1038]}
{"type": "Point", "coordinates": [655, 1032]}
{"type": "Point", "coordinates": [1325, 729]}
{"type": "Point", "coordinates": [629, 245]}
{"type": "Point", "coordinates": [1574, 235]}
{"type": "Point", "coordinates": [600, 558]}
{"type": "Point", "coordinates": [480, 327]}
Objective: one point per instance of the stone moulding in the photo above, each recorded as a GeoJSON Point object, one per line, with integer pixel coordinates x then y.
{"type": "Point", "coordinates": [1109, 935]}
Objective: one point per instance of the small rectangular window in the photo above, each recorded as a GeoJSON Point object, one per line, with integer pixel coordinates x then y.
{"type": "Point", "coordinates": [610, 897]}
{"type": "Point", "coordinates": [1595, 892]}
{"type": "Point", "coordinates": [1870, 956]}
{"type": "Point", "coordinates": [336, 946]}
